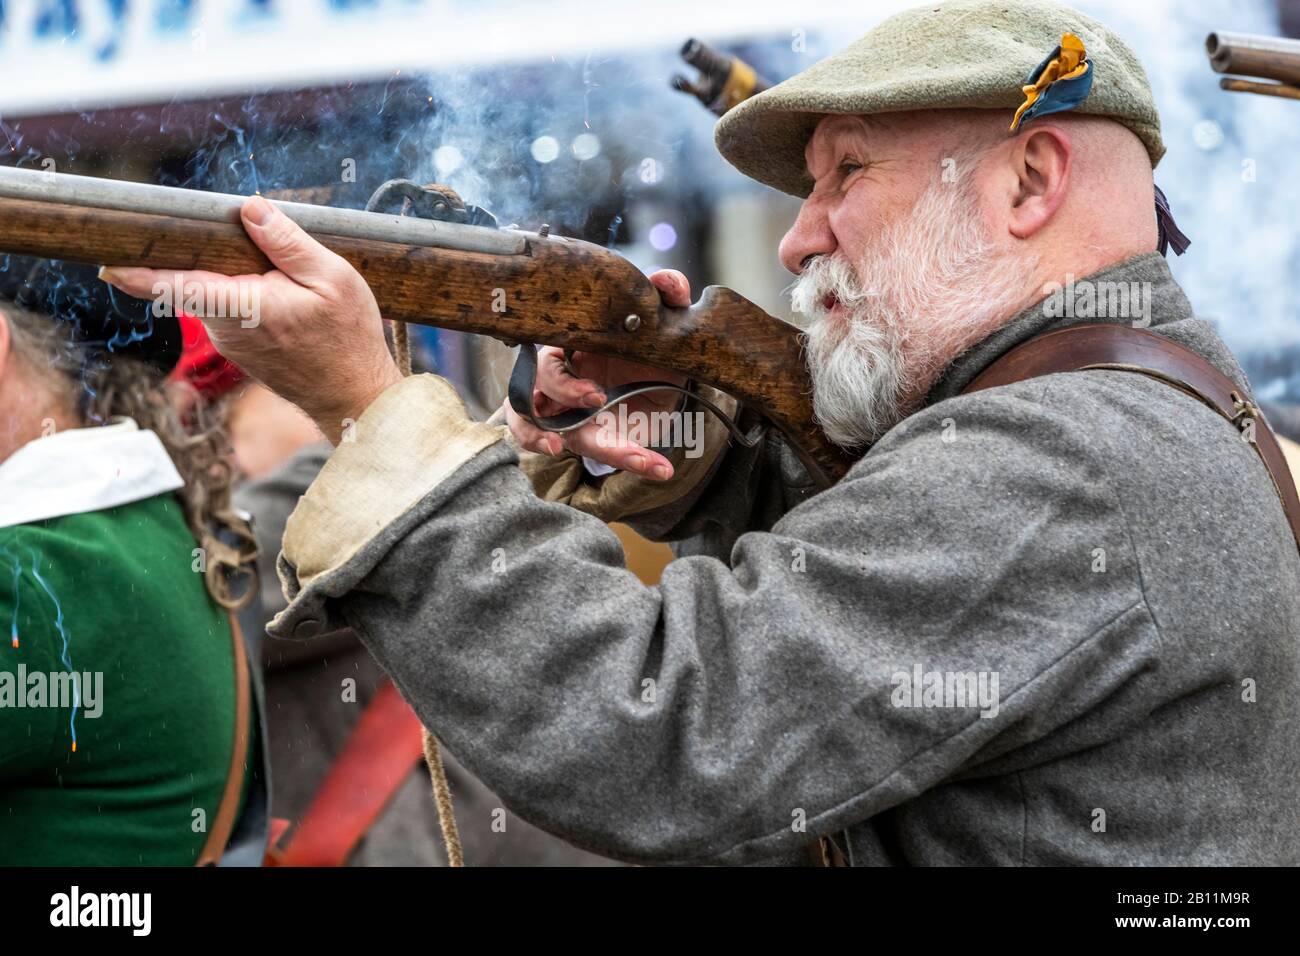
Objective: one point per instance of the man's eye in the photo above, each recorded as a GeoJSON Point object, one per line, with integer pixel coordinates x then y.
{"type": "Point", "coordinates": [848, 168]}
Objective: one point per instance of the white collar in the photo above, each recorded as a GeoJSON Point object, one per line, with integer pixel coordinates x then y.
{"type": "Point", "coordinates": [84, 469]}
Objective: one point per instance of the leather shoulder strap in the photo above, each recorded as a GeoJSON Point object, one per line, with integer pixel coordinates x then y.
{"type": "Point", "coordinates": [224, 822]}
{"type": "Point", "coordinates": [1126, 349]}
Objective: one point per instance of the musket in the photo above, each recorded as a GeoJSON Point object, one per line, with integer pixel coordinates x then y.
{"type": "Point", "coordinates": [519, 287]}
{"type": "Point", "coordinates": [1268, 58]}
{"type": "Point", "coordinates": [725, 80]}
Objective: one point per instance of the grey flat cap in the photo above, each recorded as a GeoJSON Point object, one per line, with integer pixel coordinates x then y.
{"type": "Point", "coordinates": [973, 54]}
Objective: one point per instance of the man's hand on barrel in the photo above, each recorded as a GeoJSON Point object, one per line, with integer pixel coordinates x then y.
{"type": "Point", "coordinates": [558, 389]}
{"type": "Point", "coordinates": [310, 329]}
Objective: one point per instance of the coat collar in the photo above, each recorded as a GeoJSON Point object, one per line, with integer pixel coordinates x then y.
{"type": "Point", "coordinates": [84, 469]}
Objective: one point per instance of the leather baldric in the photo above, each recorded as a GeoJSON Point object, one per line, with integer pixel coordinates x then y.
{"type": "Point", "coordinates": [1125, 349]}
{"type": "Point", "coordinates": [228, 810]}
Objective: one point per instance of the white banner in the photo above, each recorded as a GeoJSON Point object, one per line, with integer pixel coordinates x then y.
{"type": "Point", "coordinates": [60, 56]}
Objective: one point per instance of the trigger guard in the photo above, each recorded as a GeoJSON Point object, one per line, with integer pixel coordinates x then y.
{"type": "Point", "coordinates": [523, 380]}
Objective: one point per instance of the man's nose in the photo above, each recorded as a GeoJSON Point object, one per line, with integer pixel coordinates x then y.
{"type": "Point", "coordinates": [810, 236]}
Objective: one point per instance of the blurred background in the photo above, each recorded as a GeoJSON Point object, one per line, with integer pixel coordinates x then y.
{"type": "Point", "coordinates": [562, 113]}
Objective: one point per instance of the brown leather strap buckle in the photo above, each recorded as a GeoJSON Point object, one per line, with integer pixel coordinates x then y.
{"type": "Point", "coordinates": [1245, 413]}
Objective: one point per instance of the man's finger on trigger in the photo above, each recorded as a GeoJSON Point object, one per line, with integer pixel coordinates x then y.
{"type": "Point", "coordinates": [558, 384]}
{"type": "Point", "coordinates": [544, 406]}
{"type": "Point", "coordinates": [600, 444]}
{"type": "Point", "coordinates": [530, 437]}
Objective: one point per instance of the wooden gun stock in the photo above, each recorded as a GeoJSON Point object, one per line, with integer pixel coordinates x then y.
{"type": "Point", "coordinates": [555, 291]}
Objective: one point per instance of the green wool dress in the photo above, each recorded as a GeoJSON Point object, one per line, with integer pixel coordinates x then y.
{"type": "Point", "coordinates": [130, 771]}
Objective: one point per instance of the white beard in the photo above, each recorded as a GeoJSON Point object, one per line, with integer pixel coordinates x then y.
{"type": "Point", "coordinates": [937, 286]}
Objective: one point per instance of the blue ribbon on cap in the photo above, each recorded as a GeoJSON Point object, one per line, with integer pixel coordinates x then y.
{"type": "Point", "coordinates": [1061, 82]}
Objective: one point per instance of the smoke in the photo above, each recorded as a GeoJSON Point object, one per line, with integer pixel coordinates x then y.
{"type": "Point", "coordinates": [568, 142]}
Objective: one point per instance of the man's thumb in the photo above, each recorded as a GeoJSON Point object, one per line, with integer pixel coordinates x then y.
{"type": "Point", "coordinates": [286, 244]}
{"type": "Point", "coordinates": [674, 288]}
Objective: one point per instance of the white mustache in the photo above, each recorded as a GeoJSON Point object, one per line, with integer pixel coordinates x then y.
{"type": "Point", "coordinates": [856, 365]}
{"type": "Point", "coordinates": [826, 277]}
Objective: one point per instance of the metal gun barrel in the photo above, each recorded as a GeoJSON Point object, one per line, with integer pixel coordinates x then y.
{"type": "Point", "coordinates": [706, 59]}
{"type": "Point", "coordinates": [1246, 54]}
{"type": "Point", "coordinates": [72, 190]}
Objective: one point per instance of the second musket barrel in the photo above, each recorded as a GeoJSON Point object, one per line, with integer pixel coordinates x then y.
{"type": "Point", "coordinates": [724, 81]}
{"type": "Point", "coordinates": [1245, 54]}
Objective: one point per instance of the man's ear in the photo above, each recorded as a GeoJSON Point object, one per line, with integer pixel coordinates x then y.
{"type": "Point", "coordinates": [1040, 160]}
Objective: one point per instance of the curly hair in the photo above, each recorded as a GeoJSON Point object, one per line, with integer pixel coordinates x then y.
{"type": "Point", "coordinates": [99, 388]}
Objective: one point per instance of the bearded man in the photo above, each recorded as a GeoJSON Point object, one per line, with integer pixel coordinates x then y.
{"type": "Point", "coordinates": [1050, 621]}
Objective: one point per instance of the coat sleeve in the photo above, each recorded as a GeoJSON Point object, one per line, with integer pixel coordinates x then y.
{"type": "Point", "coordinates": [740, 708]}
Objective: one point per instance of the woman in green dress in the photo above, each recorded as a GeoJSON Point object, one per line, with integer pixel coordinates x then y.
{"type": "Point", "coordinates": [120, 683]}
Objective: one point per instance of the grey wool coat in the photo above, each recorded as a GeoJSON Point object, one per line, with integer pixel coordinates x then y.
{"type": "Point", "coordinates": [1055, 622]}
